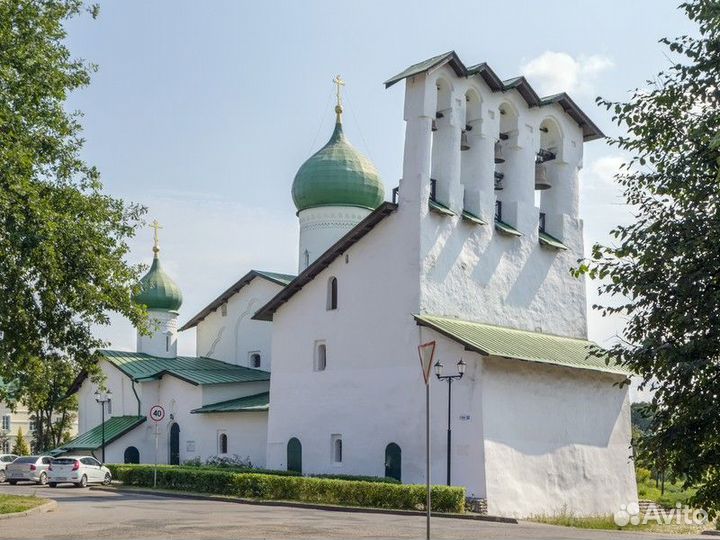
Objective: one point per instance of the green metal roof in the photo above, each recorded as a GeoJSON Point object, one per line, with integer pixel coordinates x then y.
{"type": "Point", "coordinates": [550, 241]}
{"type": "Point", "coordinates": [115, 427]}
{"type": "Point", "coordinates": [192, 369]}
{"type": "Point", "coordinates": [520, 344]}
{"type": "Point", "coordinates": [428, 64]}
{"type": "Point", "coordinates": [506, 228]}
{"type": "Point", "coordinates": [439, 208]}
{"type": "Point", "coordinates": [337, 175]}
{"type": "Point", "coordinates": [472, 218]}
{"type": "Point", "coordinates": [158, 290]}
{"type": "Point", "coordinates": [256, 402]}
{"type": "Point", "coordinates": [279, 279]}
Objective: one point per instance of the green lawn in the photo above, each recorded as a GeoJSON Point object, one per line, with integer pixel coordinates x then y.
{"type": "Point", "coordinates": [14, 503]}
{"type": "Point", "coordinates": [674, 493]}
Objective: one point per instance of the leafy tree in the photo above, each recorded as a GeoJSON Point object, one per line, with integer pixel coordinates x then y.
{"type": "Point", "coordinates": [62, 240]}
{"type": "Point", "coordinates": [20, 448]}
{"type": "Point", "coordinates": [664, 269]}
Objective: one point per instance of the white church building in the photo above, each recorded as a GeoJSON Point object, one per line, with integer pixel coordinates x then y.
{"type": "Point", "coordinates": [319, 372]}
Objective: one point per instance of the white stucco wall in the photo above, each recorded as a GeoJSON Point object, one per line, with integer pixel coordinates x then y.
{"type": "Point", "coordinates": [162, 340]}
{"type": "Point", "coordinates": [556, 439]}
{"type": "Point", "coordinates": [234, 336]}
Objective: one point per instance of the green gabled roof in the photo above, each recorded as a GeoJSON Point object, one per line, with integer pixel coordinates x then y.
{"type": "Point", "coordinates": [274, 277]}
{"type": "Point", "coordinates": [192, 369]}
{"type": "Point", "coordinates": [550, 241]}
{"type": "Point", "coordinates": [506, 228]}
{"type": "Point", "coordinates": [115, 427]}
{"type": "Point", "coordinates": [504, 342]}
{"type": "Point", "coordinates": [256, 402]}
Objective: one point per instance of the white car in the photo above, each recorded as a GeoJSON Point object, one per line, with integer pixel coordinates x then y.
{"type": "Point", "coordinates": [4, 460]}
{"type": "Point", "coordinates": [28, 469]}
{"type": "Point", "coordinates": [78, 470]}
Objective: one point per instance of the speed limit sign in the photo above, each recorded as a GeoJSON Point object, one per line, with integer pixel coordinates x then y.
{"type": "Point", "coordinates": [157, 413]}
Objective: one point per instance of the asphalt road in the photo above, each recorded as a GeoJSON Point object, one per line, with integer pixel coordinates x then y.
{"type": "Point", "coordinates": [84, 513]}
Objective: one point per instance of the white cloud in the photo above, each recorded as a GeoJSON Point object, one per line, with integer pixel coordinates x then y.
{"type": "Point", "coordinates": [554, 72]}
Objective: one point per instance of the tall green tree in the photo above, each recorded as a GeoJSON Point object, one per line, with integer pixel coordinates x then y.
{"type": "Point", "coordinates": [663, 272]}
{"type": "Point", "coordinates": [62, 240]}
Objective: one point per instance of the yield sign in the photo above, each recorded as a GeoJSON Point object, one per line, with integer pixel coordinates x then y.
{"type": "Point", "coordinates": [426, 352]}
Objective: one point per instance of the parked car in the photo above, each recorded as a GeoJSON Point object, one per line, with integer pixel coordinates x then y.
{"type": "Point", "coordinates": [4, 460]}
{"type": "Point", "coordinates": [78, 470]}
{"type": "Point", "coordinates": [29, 469]}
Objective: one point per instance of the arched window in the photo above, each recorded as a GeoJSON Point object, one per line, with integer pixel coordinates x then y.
{"type": "Point", "coordinates": [393, 461]}
{"type": "Point", "coordinates": [294, 455]}
{"type": "Point", "coordinates": [132, 455]}
{"type": "Point", "coordinates": [255, 360]}
{"type": "Point", "coordinates": [223, 443]}
{"type": "Point", "coordinates": [320, 357]}
{"type": "Point", "coordinates": [332, 294]}
{"type": "Point", "coordinates": [337, 448]}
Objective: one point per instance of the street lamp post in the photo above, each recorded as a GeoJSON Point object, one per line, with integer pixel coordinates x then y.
{"type": "Point", "coordinates": [102, 398]}
{"type": "Point", "coordinates": [449, 379]}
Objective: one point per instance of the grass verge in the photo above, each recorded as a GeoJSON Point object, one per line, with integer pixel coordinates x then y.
{"type": "Point", "coordinates": [9, 504]}
{"type": "Point", "coordinates": [607, 523]}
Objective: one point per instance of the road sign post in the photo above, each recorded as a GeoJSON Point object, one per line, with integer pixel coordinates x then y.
{"type": "Point", "coordinates": [427, 352]}
{"type": "Point", "coordinates": [157, 413]}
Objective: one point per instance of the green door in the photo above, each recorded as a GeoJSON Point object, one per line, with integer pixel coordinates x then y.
{"type": "Point", "coordinates": [294, 455]}
{"type": "Point", "coordinates": [174, 444]}
{"type": "Point", "coordinates": [393, 461]}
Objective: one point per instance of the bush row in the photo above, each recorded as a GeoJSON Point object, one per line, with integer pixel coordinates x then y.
{"type": "Point", "coordinates": [381, 479]}
{"type": "Point", "coordinates": [292, 488]}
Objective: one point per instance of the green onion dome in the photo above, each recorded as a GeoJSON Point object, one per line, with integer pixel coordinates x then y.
{"type": "Point", "coordinates": [158, 290]}
{"type": "Point", "coordinates": [338, 175]}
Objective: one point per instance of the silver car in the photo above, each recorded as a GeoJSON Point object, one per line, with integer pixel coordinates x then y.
{"type": "Point", "coordinates": [4, 460]}
{"type": "Point", "coordinates": [28, 469]}
{"type": "Point", "coordinates": [78, 470]}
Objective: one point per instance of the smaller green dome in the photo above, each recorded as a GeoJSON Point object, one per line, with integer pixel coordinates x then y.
{"type": "Point", "coordinates": [337, 175]}
{"type": "Point", "coordinates": [158, 290]}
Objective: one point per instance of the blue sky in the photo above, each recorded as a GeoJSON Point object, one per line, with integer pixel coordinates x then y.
{"type": "Point", "coordinates": [203, 111]}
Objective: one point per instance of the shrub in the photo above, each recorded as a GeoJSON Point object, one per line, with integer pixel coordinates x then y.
{"type": "Point", "coordinates": [292, 488]}
{"type": "Point", "coordinates": [233, 461]}
{"type": "Point", "coordinates": [642, 474]}
{"type": "Point", "coordinates": [382, 479]}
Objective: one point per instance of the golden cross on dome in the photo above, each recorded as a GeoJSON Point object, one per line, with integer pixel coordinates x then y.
{"type": "Point", "coordinates": [156, 225]}
{"type": "Point", "coordinates": [339, 83]}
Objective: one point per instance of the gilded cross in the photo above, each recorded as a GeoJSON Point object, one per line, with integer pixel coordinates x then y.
{"type": "Point", "coordinates": [156, 225]}
{"type": "Point", "coordinates": [339, 83]}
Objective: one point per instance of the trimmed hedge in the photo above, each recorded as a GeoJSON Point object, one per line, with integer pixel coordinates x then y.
{"type": "Point", "coordinates": [292, 488]}
{"type": "Point", "coordinates": [359, 478]}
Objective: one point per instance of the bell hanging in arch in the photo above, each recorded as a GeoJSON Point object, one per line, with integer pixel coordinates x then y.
{"type": "Point", "coordinates": [498, 153]}
{"type": "Point", "coordinates": [541, 178]}
{"type": "Point", "coordinates": [464, 144]}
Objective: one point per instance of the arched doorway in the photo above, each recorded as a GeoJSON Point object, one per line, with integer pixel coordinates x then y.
{"type": "Point", "coordinates": [393, 461]}
{"type": "Point", "coordinates": [175, 444]}
{"type": "Point", "coordinates": [294, 455]}
{"type": "Point", "coordinates": [132, 455]}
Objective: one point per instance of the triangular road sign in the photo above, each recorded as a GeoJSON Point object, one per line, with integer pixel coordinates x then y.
{"type": "Point", "coordinates": [426, 352]}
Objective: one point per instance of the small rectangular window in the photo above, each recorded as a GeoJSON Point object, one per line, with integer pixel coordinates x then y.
{"type": "Point", "coordinates": [255, 359]}
{"type": "Point", "coordinates": [6, 422]}
{"type": "Point", "coordinates": [320, 356]}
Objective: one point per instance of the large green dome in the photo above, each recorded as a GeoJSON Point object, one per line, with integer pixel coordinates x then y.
{"type": "Point", "coordinates": [158, 290]}
{"type": "Point", "coordinates": [337, 175]}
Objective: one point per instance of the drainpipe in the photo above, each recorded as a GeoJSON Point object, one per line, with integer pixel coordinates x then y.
{"type": "Point", "coordinates": [132, 383]}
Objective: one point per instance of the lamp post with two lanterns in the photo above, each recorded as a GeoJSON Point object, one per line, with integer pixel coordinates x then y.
{"type": "Point", "coordinates": [449, 379]}
{"type": "Point", "coordinates": [102, 398]}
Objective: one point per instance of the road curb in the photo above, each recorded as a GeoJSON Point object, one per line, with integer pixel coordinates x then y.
{"type": "Point", "coordinates": [47, 507]}
{"type": "Point", "coordinates": [307, 506]}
